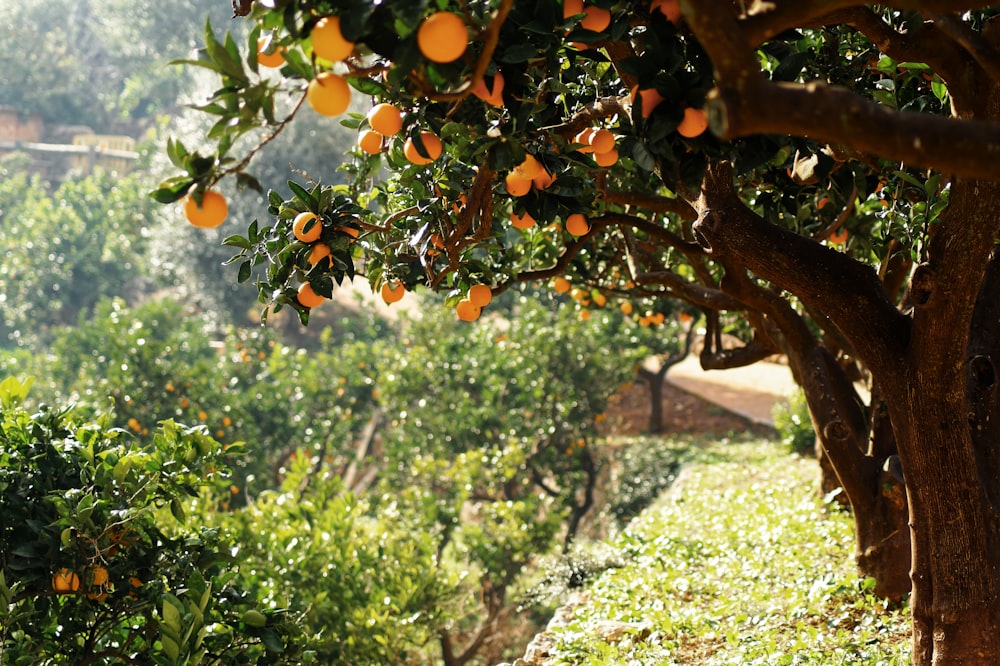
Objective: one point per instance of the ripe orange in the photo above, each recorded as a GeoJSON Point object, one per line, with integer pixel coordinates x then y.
{"type": "Point", "coordinates": [467, 310]}
{"type": "Point", "coordinates": [606, 159]}
{"type": "Point", "coordinates": [480, 295]}
{"type": "Point", "coordinates": [275, 58]}
{"type": "Point", "coordinates": [307, 297]}
{"type": "Point", "coordinates": [596, 19]}
{"type": "Point", "coordinates": [561, 285]}
{"type": "Point", "coordinates": [385, 119]}
{"type": "Point", "coordinates": [431, 143]}
{"type": "Point", "coordinates": [393, 291]}
{"type": "Point", "coordinates": [572, 8]}
{"type": "Point", "coordinates": [134, 424]}
{"type": "Point", "coordinates": [98, 576]}
{"type": "Point", "coordinates": [577, 225]}
{"type": "Point", "coordinates": [584, 314]}
{"type": "Point", "coordinates": [328, 94]}
{"type": "Point", "coordinates": [210, 213]}
{"type": "Point", "coordinates": [370, 142]}
{"type": "Point", "coordinates": [494, 95]}
{"type": "Point", "coordinates": [584, 138]}
{"type": "Point", "coordinates": [650, 98]}
{"type": "Point", "coordinates": [695, 122]}
{"type": "Point", "coordinates": [517, 183]}
{"type": "Point", "coordinates": [522, 221]}
{"type": "Point", "coordinates": [307, 227]}
{"type": "Point", "coordinates": [669, 8]}
{"type": "Point", "coordinates": [350, 231]}
{"type": "Point", "coordinates": [318, 253]}
{"type": "Point", "coordinates": [838, 237]}
{"type": "Point", "coordinates": [65, 581]}
{"type": "Point", "coordinates": [602, 141]}
{"type": "Point", "coordinates": [530, 167]}
{"type": "Point", "coordinates": [544, 181]}
{"type": "Point", "coordinates": [327, 40]}
{"type": "Point", "coordinates": [626, 308]}
{"type": "Point", "coordinates": [443, 37]}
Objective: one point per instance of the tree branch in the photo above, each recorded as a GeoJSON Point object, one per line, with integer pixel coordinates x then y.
{"type": "Point", "coordinates": [848, 292]}
{"type": "Point", "coordinates": [967, 148]}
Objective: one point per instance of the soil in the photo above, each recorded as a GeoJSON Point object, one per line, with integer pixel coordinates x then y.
{"type": "Point", "coordinates": [683, 412]}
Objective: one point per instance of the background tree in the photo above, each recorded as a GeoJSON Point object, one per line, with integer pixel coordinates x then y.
{"type": "Point", "coordinates": [881, 121]}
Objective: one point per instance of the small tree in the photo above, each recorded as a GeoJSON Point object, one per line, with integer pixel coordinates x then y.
{"type": "Point", "coordinates": [91, 570]}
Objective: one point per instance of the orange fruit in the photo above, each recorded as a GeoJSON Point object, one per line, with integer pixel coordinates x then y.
{"type": "Point", "coordinates": [210, 213]}
{"type": "Point", "coordinates": [98, 576]}
{"type": "Point", "coordinates": [669, 8]}
{"type": "Point", "coordinates": [695, 122]}
{"type": "Point", "coordinates": [584, 314]}
{"type": "Point", "coordinates": [134, 424]}
{"type": "Point", "coordinates": [602, 141]}
{"type": "Point", "coordinates": [370, 141]}
{"type": "Point", "coordinates": [517, 183]}
{"type": "Point", "coordinates": [350, 231]}
{"type": "Point", "coordinates": [467, 310]}
{"type": "Point", "coordinates": [307, 227]}
{"type": "Point", "coordinates": [393, 291]}
{"type": "Point", "coordinates": [577, 225]}
{"type": "Point", "coordinates": [275, 58]}
{"type": "Point", "coordinates": [626, 308]}
{"type": "Point", "coordinates": [606, 159]}
{"type": "Point", "coordinates": [596, 19]}
{"type": "Point", "coordinates": [480, 295]}
{"type": "Point", "coordinates": [494, 95]}
{"type": "Point", "coordinates": [385, 119]}
{"type": "Point", "coordinates": [584, 138]}
{"type": "Point", "coordinates": [600, 299]}
{"type": "Point", "coordinates": [65, 581]}
{"type": "Point", "coordinates": [431, 143]}
{"type": "Point", "coordinates": [838, 237]}
{"type": "Point", "coordinates": [328, 94]}
{"type": "Point", "coordinates": [572, 8]}
{"type": "Point", "coordinates": [543, 181]}
{"type": "Point", "coordinates": [318, 253]}
{"type": "Point", "coordinates": [327, 40]}
{"type": "Point", "coordinates": [650, 98]}
{"type": "Point", "coordinates": [522, 221]}
{"type": "Point", "coordinates": [561, 285]}
{"type": "Point", "coordinates": [530, 167]}
{"type": "Point", "coordinates": [443, 37]}
{"type": "Point", "coordinates": [307, 297]}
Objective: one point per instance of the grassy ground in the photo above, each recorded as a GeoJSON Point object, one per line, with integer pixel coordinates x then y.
{"type": "Point", "coordinates": [740, 562]}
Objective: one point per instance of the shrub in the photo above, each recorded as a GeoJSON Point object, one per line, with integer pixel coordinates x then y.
{"type": "Point", "coordinates": [794, 424]}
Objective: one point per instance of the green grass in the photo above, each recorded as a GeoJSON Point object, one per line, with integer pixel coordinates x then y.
{"type": "Point", "coordinates": [740, 562]}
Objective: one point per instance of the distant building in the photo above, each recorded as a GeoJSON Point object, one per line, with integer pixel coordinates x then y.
{"type": "Point", "coordinates": [55, 152]}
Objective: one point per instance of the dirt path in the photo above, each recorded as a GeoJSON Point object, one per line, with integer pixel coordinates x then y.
{"type": "Point", "coordinates": [715, 401]}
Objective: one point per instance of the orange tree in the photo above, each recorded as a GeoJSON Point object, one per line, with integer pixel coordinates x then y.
{"type": "Point", "coordinates": [93, 567]}
{"type": "Point", "coordinates": [824, 171]}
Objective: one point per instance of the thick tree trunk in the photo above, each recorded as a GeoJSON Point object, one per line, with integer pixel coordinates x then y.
{"type": "Point", "coordinates": [950, 476]}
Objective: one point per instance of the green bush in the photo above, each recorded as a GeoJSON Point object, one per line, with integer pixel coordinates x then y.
{"type": "Point", "coordinates": [794, 424]}
{"type": "Point", "coordinates": [98, 564]}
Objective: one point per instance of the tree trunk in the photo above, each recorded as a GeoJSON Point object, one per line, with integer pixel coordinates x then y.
{"type": "Point", "coordinates": [949, 470]}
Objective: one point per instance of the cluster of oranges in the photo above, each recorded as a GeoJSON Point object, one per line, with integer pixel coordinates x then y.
{"type": "Point", "coordinates": [599, 141]}
{"type": "Point", "coordinates": [529, 174]}
{"type": "Point", "coordinates": [477, 298]}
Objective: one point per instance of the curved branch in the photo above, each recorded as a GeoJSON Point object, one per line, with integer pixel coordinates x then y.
{"type": "Point", "coordinates": [651, 202]}
{"type": "Point", "coordinates": [848, 292]}
{"type": "Point", "coordinates": [967, 148]}
{"type": "Point", "coordinates": [971, 41]}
